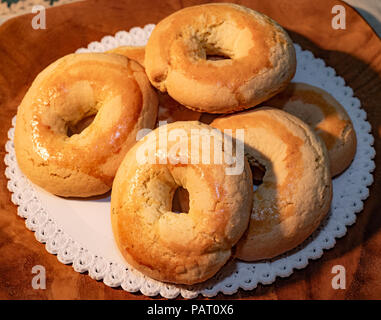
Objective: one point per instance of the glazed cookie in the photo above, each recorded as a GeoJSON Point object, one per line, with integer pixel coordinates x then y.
{"type": "Point", "coordinates": [79, 118]}
{"type": "Point", "coordinates": [326, 116]}
{"type": "Point", "coordinates": [257, 57]}
{"type": "Point", "coordinates": [174, 247]}
{"type": "Point", "coordinates": [131, 52]}
{"type": "Point", "coordinates": [296, 191]}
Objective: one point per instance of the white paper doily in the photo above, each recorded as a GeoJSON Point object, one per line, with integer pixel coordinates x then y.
{"type": "Point", "coordinates": [79, 231]}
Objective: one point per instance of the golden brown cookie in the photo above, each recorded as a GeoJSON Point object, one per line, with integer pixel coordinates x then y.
{"type": "Point", "coordinates": [79, 118]}
{"type": "Point", "coordinates": [326, 116]}
{"type": "Point", "coordinates": [296, 191]}
{"type": "Point", "coordinates": [257, 57]}
{"type": "Point", "coordinates": [188, 247]}
{"type": "Point", "coordinates": [131, 52]}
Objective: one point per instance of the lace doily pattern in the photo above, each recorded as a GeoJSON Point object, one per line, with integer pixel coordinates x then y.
{"type": "Point", "coordinates": [350, 189]}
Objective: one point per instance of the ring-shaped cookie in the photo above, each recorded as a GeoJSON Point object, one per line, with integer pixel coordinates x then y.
{"type": "Point", "coordinates": [136, 53]}
{"type": "Point", "coordinates": [174, 247]}
{"type": "Point", "coordinates": [326, 116]}
{"type": "Point", "coordinates": [52, 152]}
{"type": "Point", "coordinates": [296, 191]}
{"type": "Point", "coordinates": [259, 57]}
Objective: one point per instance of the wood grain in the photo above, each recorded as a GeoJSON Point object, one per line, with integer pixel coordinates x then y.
{"type": "Point", "coordinates": [355, 53]}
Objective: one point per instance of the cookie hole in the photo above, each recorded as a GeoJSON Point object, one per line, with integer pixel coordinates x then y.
{"type": "Point", "coordinates": [217, 57]}
{"type": "Point", "coordinates": [180, 201]}
{"type": "Point", "coordinates": [258, 171]}
{"type": "Point", "coordinates": [212, 52]}
{"type": "Point", "coordinates": [258, 174]}
{"type": "Point", "coordinates": [77, 128]}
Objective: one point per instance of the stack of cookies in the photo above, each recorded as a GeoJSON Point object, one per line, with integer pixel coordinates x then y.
{"type": "Point", "coordinates": [210, 150]}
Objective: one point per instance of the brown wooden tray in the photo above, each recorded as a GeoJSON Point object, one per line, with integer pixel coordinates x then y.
{"type": "Point", "coordinates": [355, 53]}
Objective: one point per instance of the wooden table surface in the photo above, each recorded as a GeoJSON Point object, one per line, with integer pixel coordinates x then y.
{"type": "Point", "coordinates": [355, 53]}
